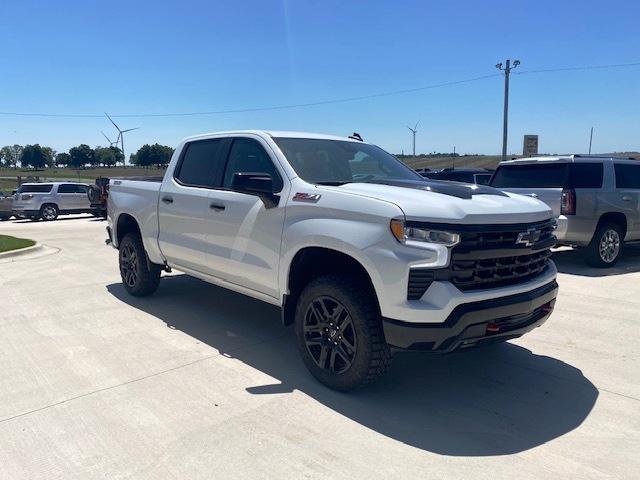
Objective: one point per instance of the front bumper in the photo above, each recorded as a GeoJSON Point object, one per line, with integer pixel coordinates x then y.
{"type": "Point", "coordinates": [470, 324]}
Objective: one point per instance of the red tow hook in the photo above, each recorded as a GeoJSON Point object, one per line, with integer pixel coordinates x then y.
{"type": "Point", "coordinates": [548, 307]}
{"type": "Point", "coordinates": [492, 328]}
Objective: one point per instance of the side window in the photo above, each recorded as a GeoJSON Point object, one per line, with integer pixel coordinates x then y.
{"type": "Point", "coordinates": [201, 164]}
{"type": "Point", "coordinates": [585, 175]}
{"type": "Point", "coordinates": [82, 189]}
{"type": "Point", "coordinates": [248, 156]}
{"type": "Point", "coordinates": [627, 176]}
{"type": "Point", "coordinates": [66, 188]}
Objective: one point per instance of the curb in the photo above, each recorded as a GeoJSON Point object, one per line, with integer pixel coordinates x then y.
{"type": "Point", "coordinates": [20, 251]}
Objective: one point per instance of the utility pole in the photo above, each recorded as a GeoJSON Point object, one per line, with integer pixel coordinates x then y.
{"type": "Point", "coordinates": [454, 157]}
{"type": "Point", "coordinates": [590, 140]}
{"type": "Point", "coordinates": [505, 121]}
{"type": "Point", "coordinates": [414, 131]}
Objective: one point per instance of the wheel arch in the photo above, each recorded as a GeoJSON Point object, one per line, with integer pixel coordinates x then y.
{"type": "Point", "coordinates": [618, 218]}
{"type": "Point", "coordinates": [126, 223]}
{"type": "Point", "coordinates": [310, 262]}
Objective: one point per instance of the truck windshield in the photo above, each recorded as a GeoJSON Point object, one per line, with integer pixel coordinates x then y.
{"type": "Point", "coordinates": [336, 162]}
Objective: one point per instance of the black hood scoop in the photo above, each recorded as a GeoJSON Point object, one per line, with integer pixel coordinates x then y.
{"type": "Point", "coordinates": [454, 189]}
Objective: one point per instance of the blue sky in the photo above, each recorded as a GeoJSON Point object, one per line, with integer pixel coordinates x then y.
{"type": "Point", "coordinates": [86, 57]}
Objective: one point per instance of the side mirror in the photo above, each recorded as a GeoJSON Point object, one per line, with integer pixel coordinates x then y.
{"type": "Point", "coordinates": [254, 183]}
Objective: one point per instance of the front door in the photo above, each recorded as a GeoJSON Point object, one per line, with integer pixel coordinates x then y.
{"type": "Point", "coordinates": [245, 229]}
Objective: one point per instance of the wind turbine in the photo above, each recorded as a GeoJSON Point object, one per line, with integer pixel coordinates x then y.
{"type": "Point", "coordinates": [111, 143]}
{"type": "Point", "coordinates": [121, 136]}
{"type": "Point", "coordinates": [414, 130]}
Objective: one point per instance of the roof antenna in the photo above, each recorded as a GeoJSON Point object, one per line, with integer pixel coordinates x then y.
{"type": "Point", "coordinates": [356, 136]}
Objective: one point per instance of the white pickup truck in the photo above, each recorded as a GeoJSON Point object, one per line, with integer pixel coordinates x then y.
{"type": "Point", "coordinates": [363, 255]}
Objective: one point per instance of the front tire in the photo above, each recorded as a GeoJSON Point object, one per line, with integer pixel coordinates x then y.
{"type": "Point", "coordinates": [606, 246]}
{"type": "Point", "coordinates": [49, 212]}
{"type": "Point", "coordinates": [139, 276]}
{"type": "Point", "coordinates": [339, 333]}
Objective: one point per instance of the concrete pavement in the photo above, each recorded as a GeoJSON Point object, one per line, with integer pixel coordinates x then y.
{"type": "Point", "coordinates": [198, 382]}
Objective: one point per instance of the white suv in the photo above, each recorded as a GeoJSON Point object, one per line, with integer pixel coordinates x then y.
{"type": "Point", "coordinates": [48, 200]}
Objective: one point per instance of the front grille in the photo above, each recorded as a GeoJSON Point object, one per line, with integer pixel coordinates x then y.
{"type": "Point", "coordinates": [490, 256]}
{"type": "Point", "coordinates": [481, 237]}
{"type": "Point", "coordinates": [497, 272]}
{"type": "Point", "coordinates": [500, 255]}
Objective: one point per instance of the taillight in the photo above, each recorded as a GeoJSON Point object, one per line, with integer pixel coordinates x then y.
{"type": "Point", "coordinates": [27, 196]}
{"type": "Point", "coordinates": [568, 202]}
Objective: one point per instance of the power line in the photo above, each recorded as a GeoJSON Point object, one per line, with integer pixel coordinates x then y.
{"type": "Point", "coordinates": [586, 67]}
{"type": "Point", "coordinates": [258, 109]}
{"type": "Point", "coordinates": [321, 102]}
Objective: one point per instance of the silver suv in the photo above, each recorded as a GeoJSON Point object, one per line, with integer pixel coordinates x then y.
{"type": "Point", "coordinates": [48, 200]}
{"type": "Point", "coordinates": [596, 199]}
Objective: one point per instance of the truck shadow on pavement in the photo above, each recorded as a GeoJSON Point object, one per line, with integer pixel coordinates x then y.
{"type": "Point", "coordinates": [572, 262]}
{"type": "Point", "coordinates": [498, 400]}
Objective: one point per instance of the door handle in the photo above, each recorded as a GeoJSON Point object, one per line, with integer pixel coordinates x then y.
{"type": "Point", "coordinates": [218, 207]}
{"type": "Point", "coordinates": [626, 199]}
{"type": "Point", "coordinates": [167, 199]}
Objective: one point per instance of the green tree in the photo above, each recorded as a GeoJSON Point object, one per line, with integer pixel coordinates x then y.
{"type": "Point", "coordinates": [11, 155]}
{"type": "Point", "coordinates": [81, 155]}
{"type": "Point", "coordinates": [63, 159]}
{"type": "Point", "coordinates": [33, 156]}
{"type": "Point", "coordinates": [50, 155]}
{"type": "Point", "coordinates": [105, 156]}
{"type": "Point", "coordinates": [155, 154]}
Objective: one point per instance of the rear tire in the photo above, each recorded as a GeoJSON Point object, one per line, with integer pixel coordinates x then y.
{"type": "Point", "coordinates": [339, 333]}
{"type": "Point", "coordinates": [49, 212]}
{"type": "Point", "coordinates": [606, 246]}
{"type": "Point", "coordinates": [139, 276]}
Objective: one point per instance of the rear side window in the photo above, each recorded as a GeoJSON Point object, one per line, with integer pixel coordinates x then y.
{"type": "Point", "coordinates": [201, 164]}
{"type": "Point", "coordinates": [40, 188]}
{"type": "Point", "coordinates": [627, 176]}
{"type": "Point", "coordinates": [530, 176]}
{"type": "Point", "coordinates": [585, 175]}
{"type": "Point", "coordinates": [67, 188]}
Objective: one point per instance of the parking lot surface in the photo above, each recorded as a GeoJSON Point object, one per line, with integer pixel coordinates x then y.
{"type": "Point", "coordinates": [197, 382]}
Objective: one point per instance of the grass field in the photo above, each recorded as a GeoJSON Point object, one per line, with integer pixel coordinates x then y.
{"type": "Point", "coordinates": [8, 243]}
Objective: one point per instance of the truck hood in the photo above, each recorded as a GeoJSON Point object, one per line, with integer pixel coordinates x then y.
{"type": "Point", "coordinates": [452, 202]}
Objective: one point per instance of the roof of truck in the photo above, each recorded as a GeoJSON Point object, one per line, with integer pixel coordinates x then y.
{"type": "Point", "coordinates": [277, 134]}
{"type": "Point", "coordinates": [567, 159]}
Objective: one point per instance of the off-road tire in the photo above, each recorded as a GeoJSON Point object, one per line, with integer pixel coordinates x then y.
{"type": "Point", "coordinates": [139, 276]}
{"type": "Point", "coordinates": [372, 356]}
{"type": "Point", "coordinates": [594, 255]}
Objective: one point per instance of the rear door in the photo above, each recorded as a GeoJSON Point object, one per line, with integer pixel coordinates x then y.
{"type": "Point", "coordinates": [66, 196]}
{"type": "Point", "coordinates": [628, 195]}
{"type": "Point", "coordinates": [543, 181]}
{"type": "Point", "coordinates": [184, 214]}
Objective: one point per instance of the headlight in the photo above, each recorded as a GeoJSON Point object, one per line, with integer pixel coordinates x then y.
{"type": "Point", "coordinates": [409, 235]}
